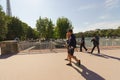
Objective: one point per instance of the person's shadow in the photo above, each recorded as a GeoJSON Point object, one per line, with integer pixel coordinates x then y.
{"type": "Point", "coordinates": [87, 74]}
{"type": "Point", "coordinates": [112, 57]}
{"type": "Point", "coordinates": [107, 56]}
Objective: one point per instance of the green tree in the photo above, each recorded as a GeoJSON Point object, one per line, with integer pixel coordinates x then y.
{"type": "Point", "coordinates": [63, 24]}
{"type": "Point", "coordinates": [35, 34]}
{"type": "Point", "coordinates": [56, 35]}
{"type": "Point", "coordinates": [41, 27]}
{"type": "Point", "coordinates": [102, 33]}
{"type": "Point", "coordinates": [45, 28]}
{"type": "Point", "coordinates": [25, 28]}
{"type": "Point", "coordinates": [118, 27]}
{"type": "Point", "coordinates": [30, 33]}
{"type": "Point", "coordinates": [78, 35]}
{"type": "Point", "coordinates": [49, 29]}
{"type": "Point", "coordinates": [15, 28]}
{"type": "Point", "coordinates": [118, 32]}
{"type": "Point", "coordinates": [109, 33]}
{"type": "Point", "coordinates": [3, 25]}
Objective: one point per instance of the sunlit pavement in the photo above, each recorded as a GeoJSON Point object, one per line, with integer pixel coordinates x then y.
{"type": "Point", "coordinates": [105, 66]}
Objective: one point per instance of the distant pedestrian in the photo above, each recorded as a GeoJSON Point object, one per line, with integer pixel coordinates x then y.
{"type": "Point", "coordinates": [95, 41]}
{"type": "Point", "coordinates": [71, 47]}
{"type": "Point", "coordinates": [17, 39]}
{"type": "Point", "coordinates": [82, 43]}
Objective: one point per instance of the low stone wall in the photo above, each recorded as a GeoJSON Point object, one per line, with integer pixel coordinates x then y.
{"type": "Point", "coordinates": [9, 47]}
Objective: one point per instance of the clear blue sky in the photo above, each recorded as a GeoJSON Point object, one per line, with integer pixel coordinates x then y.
{"type": "Point", "coordinates": [84, 14]}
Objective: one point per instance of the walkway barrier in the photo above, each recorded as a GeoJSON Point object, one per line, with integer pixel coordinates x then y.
{"type": "Point", "coordinates": [9, 47]}
{"type": "Point", "coordinates": [34, 47]}
{"type": "Point", "coordinates": [44, 45]}
{"type": "Point", "coordinates": [25, 45]}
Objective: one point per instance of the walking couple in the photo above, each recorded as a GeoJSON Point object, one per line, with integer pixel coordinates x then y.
{"type": "Point", "coordinates": [71, 45]}
{"type": "Point", "coordinates": [95, 41]}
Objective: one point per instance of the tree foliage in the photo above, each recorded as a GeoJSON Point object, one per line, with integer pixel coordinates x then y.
{"type": "Point", "coordinates": [103, 33]}
{"type": "Point", "coordinates": [45, 28]}
{"type": "Point", "coordinates": [62, 25]}
{"type": "Point", "coordinates": [3, 25]}
{"type": "Point", "coordinates": [12, 27]}
{"type": "Point", "coordinates": [15, 28]}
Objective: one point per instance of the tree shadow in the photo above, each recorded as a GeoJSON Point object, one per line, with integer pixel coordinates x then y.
{"type": "Point", "coordinates": [87, 74]}
{"type": "Point", "coordinates": [6, 56]}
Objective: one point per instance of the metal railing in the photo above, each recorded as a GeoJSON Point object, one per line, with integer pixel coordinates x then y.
{"type": "Point", "coordinates": [37, 47]}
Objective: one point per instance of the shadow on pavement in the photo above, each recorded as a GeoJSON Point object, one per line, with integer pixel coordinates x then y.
{"type": "Point", "coordinates": [87, 74]}
{"type": "Point", "coordinates": [106, 56]}
{"type": "Point", "coordinates": [100, 55]}
{"type": "Point", "coordinates": [6, 56]}
{"type": "Point", "coordinates": [112, 57]}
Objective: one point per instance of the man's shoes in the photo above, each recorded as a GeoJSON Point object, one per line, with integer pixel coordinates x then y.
{"type": "Point", "coordinates": [91, 52]}
{"type": "Point", "coordinates": [80, 51]}
{"type": "Point", "coordinates": [98, 52]}
{"type": "Point", "coordinates": [69, 64]}
{"type": "Point", "coordinates": [66, 59]}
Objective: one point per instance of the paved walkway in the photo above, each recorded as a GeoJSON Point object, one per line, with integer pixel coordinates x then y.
{"type": "Point", "coordinates": [53, 67]}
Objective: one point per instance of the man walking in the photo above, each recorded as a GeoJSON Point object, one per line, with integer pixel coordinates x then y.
{"type": "Point", "coordinates": [71, 47]}
{"type": "Point", "coordinates": [82, 44]}
{"type": "Point", "coordinates": [95, 41]}
{"type": "Point", "coordinates": [67, 42]}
